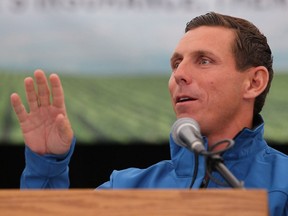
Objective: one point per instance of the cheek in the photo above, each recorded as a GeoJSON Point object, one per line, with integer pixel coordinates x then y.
{"type": "Point", "coordinates": [223, 93]}
{"type": "Point", "coordinates": [171, 84]}
{"type": "Point", "coordinates": [216, 92]}
{"type": "Point", "coordinates": [212, 88]}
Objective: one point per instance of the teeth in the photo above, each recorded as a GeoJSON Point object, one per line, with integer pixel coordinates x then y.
{"type": "Point", "coordinates": [184, 99]}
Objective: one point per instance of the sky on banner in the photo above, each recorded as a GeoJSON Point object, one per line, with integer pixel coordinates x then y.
{"type": "Point", "coordinates": [119, 36]}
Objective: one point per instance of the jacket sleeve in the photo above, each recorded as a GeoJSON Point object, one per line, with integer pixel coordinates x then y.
{"type": "Point", "coordinates": [278, 202]}
{"type": "Point", "coordinates": [47, 171]}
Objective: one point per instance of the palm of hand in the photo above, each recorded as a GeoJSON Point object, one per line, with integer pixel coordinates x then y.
{"type": "Point", "coordinates": [46, 129]}
{"type": "Point", "coordinates": [42, 134]}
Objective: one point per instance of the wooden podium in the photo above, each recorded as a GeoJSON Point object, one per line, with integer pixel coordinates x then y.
{"type": "Point", "coordinates": [134, 202]}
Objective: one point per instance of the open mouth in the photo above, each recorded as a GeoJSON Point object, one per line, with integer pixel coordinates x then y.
{"type": "Point", "coordinates": [184, 99]}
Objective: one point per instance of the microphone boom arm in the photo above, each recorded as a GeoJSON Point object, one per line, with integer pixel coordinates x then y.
{"type": "Point", "coordinates": [216, 162]}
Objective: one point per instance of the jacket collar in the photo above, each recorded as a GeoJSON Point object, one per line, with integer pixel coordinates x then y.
{"type": "Point", "coordinates": [247, 142]}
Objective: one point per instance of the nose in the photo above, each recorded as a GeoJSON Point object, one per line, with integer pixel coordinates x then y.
{"type": "Point", "coordinates": [182, 74]}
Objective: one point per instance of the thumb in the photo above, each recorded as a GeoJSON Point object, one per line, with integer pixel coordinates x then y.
{"type": "Point", "coordinates": [64, 129]}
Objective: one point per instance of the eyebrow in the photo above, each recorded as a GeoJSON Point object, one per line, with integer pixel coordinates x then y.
{"type": "Point", "coordinates": [177, 55]}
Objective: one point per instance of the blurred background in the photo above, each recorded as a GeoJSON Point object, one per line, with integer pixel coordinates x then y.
{"type": "Point", "coordinates": [113, 60]}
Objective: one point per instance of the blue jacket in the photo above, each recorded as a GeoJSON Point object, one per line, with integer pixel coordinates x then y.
{"type": "Point", "coordinates": [251, 160]}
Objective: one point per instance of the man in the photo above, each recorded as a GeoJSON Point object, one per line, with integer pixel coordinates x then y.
{"type": "Point", "coordinates": [221, 74]}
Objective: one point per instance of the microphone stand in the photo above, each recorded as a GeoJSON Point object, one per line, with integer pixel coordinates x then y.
{"type": "Point", "coordinates": [216, 163]}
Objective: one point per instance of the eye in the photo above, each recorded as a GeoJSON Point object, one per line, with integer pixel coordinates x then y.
{"type": "Point", "coordinates": [204, 61]}
{"type": "Point", "coordinates": [175, 64]}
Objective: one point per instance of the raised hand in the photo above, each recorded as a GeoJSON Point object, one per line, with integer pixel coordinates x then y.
{"type": "Point", "coordinates": [46, 128]}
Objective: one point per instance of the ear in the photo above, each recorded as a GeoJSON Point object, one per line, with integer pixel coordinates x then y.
{"type": "Point", "coordinates": [256, 82]}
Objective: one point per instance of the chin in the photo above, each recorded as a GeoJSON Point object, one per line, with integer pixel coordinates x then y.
{"type": "Point", "coordinates": [186, 115]}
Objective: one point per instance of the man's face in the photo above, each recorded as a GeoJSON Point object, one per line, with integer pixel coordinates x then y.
{"type": "Point", "coordinates": [205, 84]}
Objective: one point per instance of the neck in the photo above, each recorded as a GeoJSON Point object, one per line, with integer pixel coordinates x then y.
{"type": "Point", "coordinates": [228, 132]}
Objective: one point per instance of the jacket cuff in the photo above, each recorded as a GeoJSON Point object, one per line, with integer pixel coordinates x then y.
{"type": "Point", "coordinates": [48, 165]}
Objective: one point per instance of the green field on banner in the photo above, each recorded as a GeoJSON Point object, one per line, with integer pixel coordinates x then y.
{"type": "Point", "coordinates": [126, 109]}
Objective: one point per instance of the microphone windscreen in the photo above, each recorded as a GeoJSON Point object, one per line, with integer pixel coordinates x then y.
{"type": "Point", "coordinates": [180, 126]}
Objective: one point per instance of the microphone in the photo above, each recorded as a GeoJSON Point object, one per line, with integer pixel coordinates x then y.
{"type": "Point", "coordinates": [186, 133]}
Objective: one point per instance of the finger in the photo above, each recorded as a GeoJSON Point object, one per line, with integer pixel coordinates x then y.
{"type": "Point", "coordinates": [31, 95]}
{"type": "Point", "coordinates": [18, 107]}
{"type": "Point", "coordinates": [57, 91]}
{"type": "Point", "coordinates": [43, 88]}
